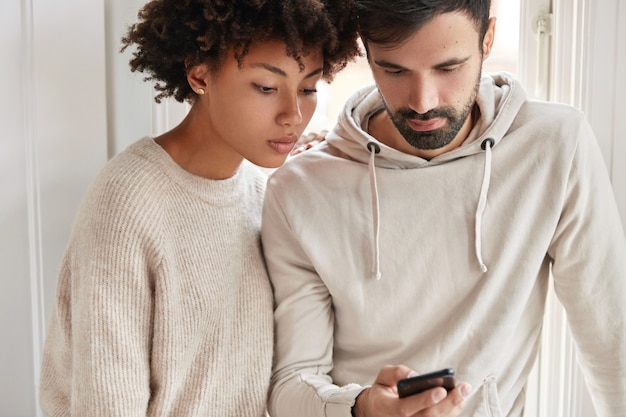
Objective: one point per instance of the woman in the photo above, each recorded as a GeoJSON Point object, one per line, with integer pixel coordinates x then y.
{"type": "Point", "coordinates": [163, 303]}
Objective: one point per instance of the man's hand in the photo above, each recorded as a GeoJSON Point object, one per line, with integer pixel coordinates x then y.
{"type": "Point", "coordinates": [308, 141]}
{"type": "Point", "coordinates": [381, 399]}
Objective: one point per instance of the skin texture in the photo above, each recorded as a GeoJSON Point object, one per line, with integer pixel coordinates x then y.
{"type": "Point", "coordinates": [425, 81]}
{"type": "Point", "coordinates": [256, 110]}
{"type": "Point", "coordinates": [423, 90]}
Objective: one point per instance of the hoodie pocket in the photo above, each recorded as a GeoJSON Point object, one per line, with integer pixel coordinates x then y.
{"type": "Point", "coordinates": [486, 402]}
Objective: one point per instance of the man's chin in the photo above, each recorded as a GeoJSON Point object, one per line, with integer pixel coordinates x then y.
{"type": "Point", "coordinates": [425, 141]}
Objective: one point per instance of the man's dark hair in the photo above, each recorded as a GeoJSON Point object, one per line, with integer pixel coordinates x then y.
{"type": "Point", "coordinates": [173, 35]}
{"type": "Point", "coordinates": [390, 22]}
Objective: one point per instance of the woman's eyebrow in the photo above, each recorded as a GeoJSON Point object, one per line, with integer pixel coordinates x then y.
{"type": "Point", "coordinates": [278, 71]}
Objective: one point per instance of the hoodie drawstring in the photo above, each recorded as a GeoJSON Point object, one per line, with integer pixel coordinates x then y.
{"type": "Point", "coordinates": [486, 145]}
{"type": "Point", "coordinates": [374, 149]}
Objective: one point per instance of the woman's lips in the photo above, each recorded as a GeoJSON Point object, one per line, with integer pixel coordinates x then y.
{"type": "Point", "coordinates": [283, 145]}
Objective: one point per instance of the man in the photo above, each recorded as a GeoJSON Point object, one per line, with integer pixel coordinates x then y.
{"type": "Point", "coordinates": [423, 232]}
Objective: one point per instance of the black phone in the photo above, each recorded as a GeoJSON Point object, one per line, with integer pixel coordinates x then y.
{"type": "Point", "coordinates": [442, 378]}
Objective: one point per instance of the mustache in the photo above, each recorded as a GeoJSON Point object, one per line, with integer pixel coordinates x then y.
{"type": "Point", "coordinates": [431, 114]}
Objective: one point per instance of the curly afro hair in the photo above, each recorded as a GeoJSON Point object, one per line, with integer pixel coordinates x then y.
{"type": "Point", "coordinates": [172, 35]}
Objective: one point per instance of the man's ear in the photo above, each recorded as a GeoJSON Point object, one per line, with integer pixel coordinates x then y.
{"type": "Point", "coordinates": [489, 37]}
{"type": "Point", "coordinates": [198, 78]}
{"type": "Point", "coordinates": [364, 45]}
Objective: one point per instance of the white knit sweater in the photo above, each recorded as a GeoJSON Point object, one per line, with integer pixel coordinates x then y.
{"type": "Point", "coordinates": [163, 304]}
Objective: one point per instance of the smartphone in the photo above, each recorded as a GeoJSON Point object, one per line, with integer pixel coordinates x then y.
{"type": "Point", "coordinates": [442, 378]}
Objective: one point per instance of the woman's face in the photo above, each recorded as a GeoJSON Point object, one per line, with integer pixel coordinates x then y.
{"type": "Point", "coordinates": [260, 109]}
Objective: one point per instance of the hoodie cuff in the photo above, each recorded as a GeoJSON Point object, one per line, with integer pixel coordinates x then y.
{"type": "Point", "coordinates": [340, 403]}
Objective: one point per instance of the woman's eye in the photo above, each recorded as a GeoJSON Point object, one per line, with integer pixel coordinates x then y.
{"type": "Point", "coordinates": [309, 91]}
{"type": "Point", "coordinates": [264, 89]}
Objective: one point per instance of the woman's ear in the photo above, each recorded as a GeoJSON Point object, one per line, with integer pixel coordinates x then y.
{"type": "Point", "coordinates": [198, 78]}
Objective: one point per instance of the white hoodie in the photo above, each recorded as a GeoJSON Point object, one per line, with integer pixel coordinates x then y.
{"type": "Point", "coordinates": [388, 258]}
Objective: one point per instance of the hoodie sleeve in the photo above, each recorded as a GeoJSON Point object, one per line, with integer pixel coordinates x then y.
{"type": "Point", "coordinates": [301, 385]}
{"type": "Point", "coordinates": [589, 269]}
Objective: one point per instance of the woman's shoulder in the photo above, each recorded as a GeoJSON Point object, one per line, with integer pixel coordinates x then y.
{"type": "Point", "coordinates": [128, 182]}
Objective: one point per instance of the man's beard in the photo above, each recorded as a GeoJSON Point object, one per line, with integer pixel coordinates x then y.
{"type": "Point", "coordinates": [434, 139]}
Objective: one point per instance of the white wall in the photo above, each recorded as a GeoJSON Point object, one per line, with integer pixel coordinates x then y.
{"type": "Point", "coordinates": [69, 102]}
{"type": "Point", "coordinates": [53, 119]}
{"type": "Point", "coordinates": [617, 106]}
{"type": "Point", "coordinates": [132, 111]}
{"type": "Point", "coordinates": [16, 366]}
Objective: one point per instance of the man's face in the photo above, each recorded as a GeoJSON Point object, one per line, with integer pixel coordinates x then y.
{"type": "Point", "coordinates": [429, 83]}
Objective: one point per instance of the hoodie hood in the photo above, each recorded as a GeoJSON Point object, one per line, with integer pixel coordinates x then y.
{"type": "Point", "coordinates": [499, 100]}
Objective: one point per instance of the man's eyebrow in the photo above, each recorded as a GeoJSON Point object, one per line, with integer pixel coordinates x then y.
{"type": "Point", "coordinates": [450, 62]}
{"type": "Point", "coordinates": [389, 65]}
{"type": "Point", "coordinates": [278, 71]}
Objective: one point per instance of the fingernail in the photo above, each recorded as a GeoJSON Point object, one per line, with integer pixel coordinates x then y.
{"type": "Point", "coordinates": [439, 395]}
{"type": "Point", "coordinates": [466, 390]}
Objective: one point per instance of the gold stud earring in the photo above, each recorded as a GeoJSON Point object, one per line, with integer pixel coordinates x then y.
{"type": "Point", "coordinates": [200, 91]}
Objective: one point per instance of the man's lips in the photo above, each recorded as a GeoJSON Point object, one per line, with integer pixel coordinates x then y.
{"type": "Point", "coordinates": [426, 125]}
{"type": "Point", "coordinates": [283, 145]}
